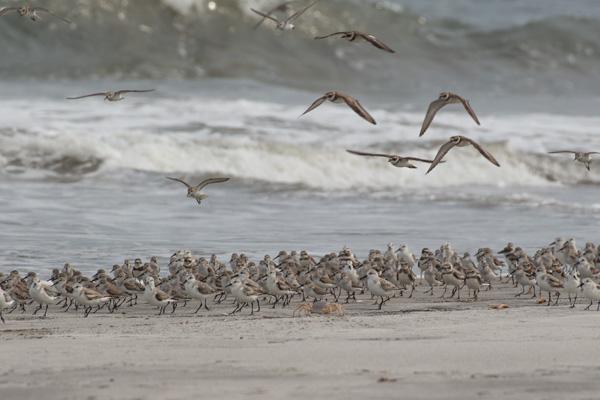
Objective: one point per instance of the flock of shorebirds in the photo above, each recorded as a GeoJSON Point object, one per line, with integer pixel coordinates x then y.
{"type": "Point", "coordinates": [559, 269]}
{"type": "Point", "coordinates": [284, 17]}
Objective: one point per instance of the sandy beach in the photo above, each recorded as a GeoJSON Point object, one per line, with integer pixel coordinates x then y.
{"type": "Point", "coordinates": [421, 348]}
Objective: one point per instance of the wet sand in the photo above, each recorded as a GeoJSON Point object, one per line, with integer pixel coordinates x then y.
{"type": "Point", "coordinates": [420, 348]}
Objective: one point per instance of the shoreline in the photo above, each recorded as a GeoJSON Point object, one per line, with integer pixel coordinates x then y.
{"type": "Point", "coordinates": [421, 347]}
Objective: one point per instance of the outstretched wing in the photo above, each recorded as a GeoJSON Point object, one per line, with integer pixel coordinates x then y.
{"type": "Point", "coordinates": [281, 7]}
{"type": "Point", "coordinates": [446, 147]}
{"type": "Point", "coordinates": [210, 181]}
{"type": "Point", "coordinates": [297, 14]}
{"type": "Point", "coordinates": [315, 104]}
{"type": "Point", "coordinates": [419, 159]}
{"type": "Point", "coordinates": [6, 10]}
{"type": "Point", "coordinates": [376, 42]}
{"type": "Point", "coordinates": [562, 152]}
{"type": "Point", "coordinates": [330, 35]}
{"type": "Point", "coordinates": [483, 152]}
{"type": "Point", "coordinates": [469, 109]}
{"type": "Point", "coordinates": [433, 108]}
{"type": "Point", "coordinates": [135, 91]}
{"type": "Point", "coordinates": [262, 14]}
{"type": "Point", "coordinates": [358, 108]}
{"type": "Point", "coordinates": [42, 9]}
{"type": "Point", "coordinates": [361, 153]}
{"type": "Point", "coordinates": [180, 181]}
{"type": "Point", "coordinates": [87, 95]}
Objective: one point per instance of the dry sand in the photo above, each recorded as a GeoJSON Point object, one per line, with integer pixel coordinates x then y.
{"type": "Point", "coordinates": [421, 348]}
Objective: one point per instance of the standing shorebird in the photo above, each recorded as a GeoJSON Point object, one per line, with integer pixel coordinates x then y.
{"type": "Point", "coordinates": [111, 95]}
{"type": "Point", "coordinates": [580, 156]}
{"type": "Point", "coordinates": [380, 287]}
{"type": "Point", "coordinates": [194, 192]}
{"type": "Point", "coordinates": [338, 97]}
{"type": "Point", "coordinates": [442, 101]}
{"type": "Point", "coordinates": [31, 12]}
{"type": "Point", "coordinates": [354, 36]}
{"type": "Point", "coordinates": [41, 294]}
{"type": "Point", "coordinates": [395, 160]}
{"type": "Point", "coordinates": [5, 302]}
{"type": "Point", "coordinates": [156, 297]}
{"type": "Point", "coordinates": [591, 291]}
{"type": "Point", "coordinates": [460, 141]}
{"type": "Point", "coordinates": [284, 24]}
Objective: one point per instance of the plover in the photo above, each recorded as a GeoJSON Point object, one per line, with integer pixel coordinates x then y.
{"type": "Point", "coordinates": [352, 36]}
{"type": "Point", "coordinates": [286, 24]}
{"type": "Point", "coordinates": [395, 160]}
{"type": "Point", "coordinates": [111, 95]}
{"type": "Point", "coordinates": [198, 290]}
{"type": "Point", "coordinates": [194, 192]}
{"type": "Point", "coordinates": [41, 294]}
{"type": "Point", "coordinates": [157, 297]}
{"type": "Point", "coordinates": [548, 283]}
{"type": "Point", "coordinates": [31, 12]}
{"type": "Point", "coordinates": [380, 287]}
{"type": "Point", "coordinates": [571, 285]}
{"type": "Point", "coordinates": [338, 97]}
{"type": "Point", "coordinates": [580, 156]}
{"type": "Point", "coordinates": [244, 295]}
{"type": "Point", "coordinates": [89, 298]}
{"type": "Point", "coordinates": [460, 141]}
{"type": "Point", "coordinates": [442, 101]}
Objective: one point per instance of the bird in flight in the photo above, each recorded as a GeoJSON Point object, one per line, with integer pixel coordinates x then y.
{"type": "Point", "coordinates": [31, 12]}
{"type": "Point", "coordinates": [284, 24]}
{"type": "Point", "coordinates": [280, 8]}
{"type": "Point", "coordinates": [395, 160]}
{"type": "Point", "coordinates": [337, 97]}
{"type": "Point", "coordinates": [353, 36]}
{"type": "Point", "coordinates": [111, 96]}
{"type": "Point", "coordinates": [460, 141]}
{"type": "Point", "coordinates": [442, 101]}
{"type": "Point", "coordinates": [580, 156]}
{"type": "Point", "coordinates": [194, 192]}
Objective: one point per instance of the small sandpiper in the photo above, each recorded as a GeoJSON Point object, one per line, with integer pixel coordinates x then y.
{"type": "Point", "coordinates": [395, 160]}
{"type": "Point", "coordinates": [338, 97]}
{"type": "Point", "coordinates": [111, 96]}
{"type": "Point", "coordinates": [580, 156]}
{"type": "Point", "coordinates": [194, 192]}
{"type": "Point", "coordinates": [442, 101]}
{"type": "Point", "coordinates": [31, 13]}
{"type": "Point", "coordinates": [285, 24]}
{"type": "Point", "coordinates": [353, 36]}
{"type": "Point", "coordinates": [460, 141]}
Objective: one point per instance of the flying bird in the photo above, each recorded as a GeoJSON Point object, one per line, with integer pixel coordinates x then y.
{"type": "Point", "coordinates": [111, 96]}
{"type": "Point", "coordinates": [285, 24]}
{"type": "Point", "coordinates": [353, 36]}
{"type": "Point", "coordinates": [337, 97]}
{"type": "Point", "coordinates": [281, 8]}
{"type": "Point", "coordinates": [580, 156]}
{"type": "Point", "coordinates": [442, 101]}
{"type": "Point", "coordinates": [194, 192]}
{"type": "Point", "coordinates": [460, 141]}
{"type": "Point", "coordinates": [395, 160]}
{"type": "Point", "coordinates": [31, 12]}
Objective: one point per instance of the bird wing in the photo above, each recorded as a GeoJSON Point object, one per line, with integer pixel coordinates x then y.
{"type": "Point", "coordinates": [419, 159]}
{"type": "Point", "coordinates": [281, 7]}
{"type": "Point", "coordinates": [210, 181]}
{"type": "Point", "coordinates": [387, 285]}
{"type": "Point", "coordinates": [376, 42]}
{"type": "Point", "coordinates": [358, 108]}
{"type": "Point", "coordinates": [87, 95]}
{"type": "Point", "coordinates": [6, 10]}
{"type": "Point", "coordinates": [483, 152]}
{"type": "Point", "coordinates": [562, 152]}
{"type": "Point", "coordinates": [469, 109]}
{"type": "Point", "coordinates": [299, 13]}
{"type": "Point", "coordinates": [161, 296]}
{"type": "Point", "coordinates": [361, 153]}
{"type": "Point", "coordinates": [42, 9]}
{"type": "Point", "coordinates": [180, 181]}
{"type": "Point", "coordinates": [135, 91]}
{"type": "Point", "coordinates": [315, 104]}
{"type": "Point", "coordinates": [433, 108]}
{"type": "Point", "coordinates": [262, 14]}
{"type": "Point", "coordinates": [330, 35]}
{"type": "Point", "coordinates": [446, 147]}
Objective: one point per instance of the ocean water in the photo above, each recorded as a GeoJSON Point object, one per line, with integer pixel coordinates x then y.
{"type": "Point", "coordinates": [84, 181]}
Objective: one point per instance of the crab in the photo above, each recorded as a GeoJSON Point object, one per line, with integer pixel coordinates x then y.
{"type": "Point", "coordinates": [320, 307]}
